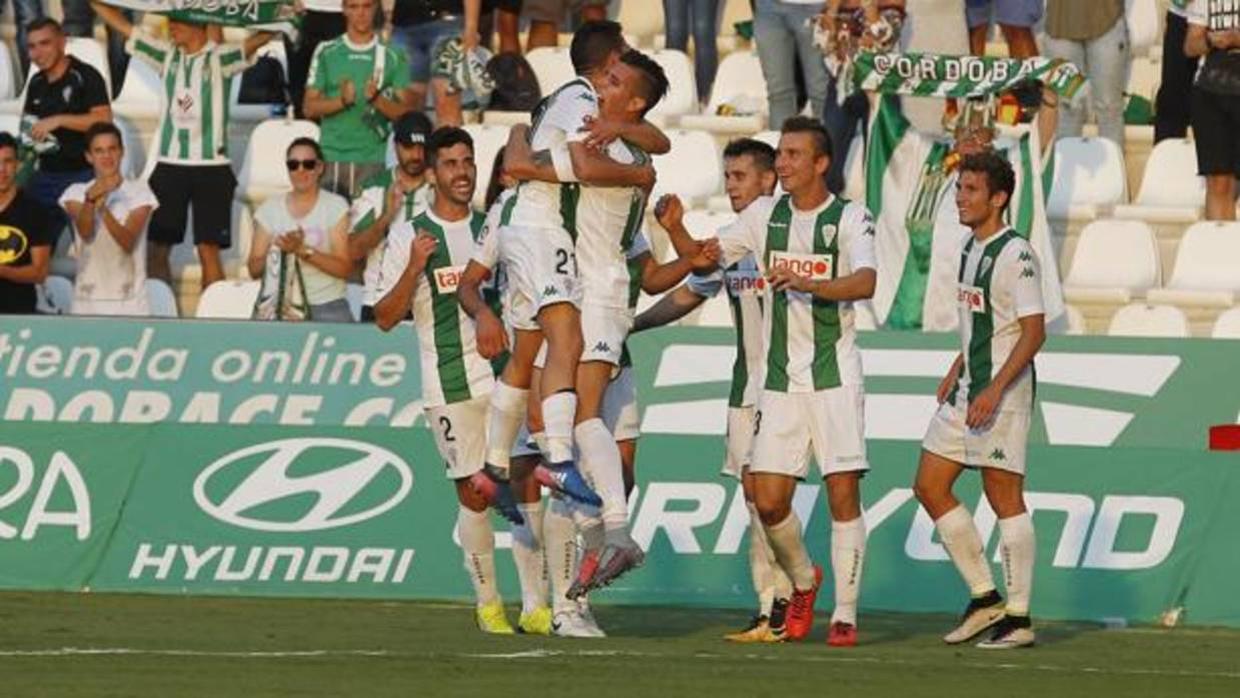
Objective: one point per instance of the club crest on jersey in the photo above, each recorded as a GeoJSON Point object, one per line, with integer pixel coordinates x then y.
{"type": "Point", "coordinates": [448, 278]}
{"type": "Point", "coordinates": [815, 266]}
{"type": "Point", "coordinates": [971, 297]}
{"type": "Point", "coordinates": [744, 283]}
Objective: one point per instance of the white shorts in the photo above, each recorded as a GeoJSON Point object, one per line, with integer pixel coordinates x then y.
{"type": "Point", "coordinates": [830, 423]}
{"type": "Point", "coordinates": [620, 412]}
{"type": "Point", "coordinates": [541, 265]}
{"type": "Point", "coordinates": [460, 431]}
{"type": "Point", "coordinates": [739, 441]}
{"type": "Point", "coordinates": [1002, 444]}
{"type": "Point", "coordinates": [603, 331]}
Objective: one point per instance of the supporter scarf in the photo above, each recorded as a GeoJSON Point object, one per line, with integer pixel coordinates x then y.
{"type": "Point", "coordinates": [282, 295]}
{"type": "Point", "coordinates": [272, 15]}
{"type": "Point", "coordinates": [934, 75]}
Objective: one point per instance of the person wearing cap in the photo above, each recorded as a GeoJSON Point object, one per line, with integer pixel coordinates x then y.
{"type": "Point", "coordinates": [911, 191]}
{"type": "Point", "coordinates": [357, 86]}
{"type": "Point", "coordinates": [389, 198]}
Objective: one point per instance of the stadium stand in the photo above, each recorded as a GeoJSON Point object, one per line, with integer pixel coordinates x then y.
{"type": "Point", "coordinates": [691, 170]}
{"type": "Point", "coordinates": [1141, 320]}
{"type": "Point", "coordinates": [1115, 261]}
{"type": "Point", "coordinates": [162, 301]}
{"type": "Point", "coordinates": [1228, 325]}
{"type": "Point", "coordinates": [551, 66]}
{"type": "Point", "coordinates": [228, 299]}
{"type": "Point", "coordinates": [681, 96]}
{"type": "Point", "coordinates": [1206, 276]}
{"type": "Point", "coordinates": [740, 86]}
{"type": "Point", "coordinates": [55, 295]}
{"type": "Point", "coordinates": [262, 170]}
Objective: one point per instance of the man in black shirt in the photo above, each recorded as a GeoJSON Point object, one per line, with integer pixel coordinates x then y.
{"type": "Point", "coordinates": [25, 245]}
{"type": "Point", "coordinates": [63, 99]}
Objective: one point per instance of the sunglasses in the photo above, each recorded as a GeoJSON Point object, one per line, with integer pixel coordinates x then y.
{"type": "Point", "coordinates": [303, 164]}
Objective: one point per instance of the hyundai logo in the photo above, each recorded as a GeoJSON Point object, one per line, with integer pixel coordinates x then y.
{"type": "Point", "coordinates": [349, 482]}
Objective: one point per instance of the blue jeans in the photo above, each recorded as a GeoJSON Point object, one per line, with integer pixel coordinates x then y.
{"type": "Point", "coordinates": [1105, 60]}
{"type": "Point", "coordinates": [25, 12]}
{"type": "Point", "coordinates": [783, 36]}
{"type": "Point", "coordinates": [80, 21]}
{"type": "Point", "coordinates": [420, 42]}
{"type": "Point", "coordinates": [705, 14]}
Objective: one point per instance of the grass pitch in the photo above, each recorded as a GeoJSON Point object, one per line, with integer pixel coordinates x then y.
{"type": "Point", "coordinates": [130, 645]}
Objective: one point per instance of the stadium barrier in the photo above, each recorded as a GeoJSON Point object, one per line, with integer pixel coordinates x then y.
{"type": "Point", "coordinates": [214, 458]}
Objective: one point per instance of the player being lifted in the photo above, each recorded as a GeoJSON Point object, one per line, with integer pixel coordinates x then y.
{"type": "Point", "coordinates": [748, 174]}
{"type": "Point", "coordinates": [817, 254]}
{"type": "Point", "coordinates": [422, 263]}
{"type": "Point", "coordinates": [985, 406]}
{"type": "Point", "coordinates": [537, 251]}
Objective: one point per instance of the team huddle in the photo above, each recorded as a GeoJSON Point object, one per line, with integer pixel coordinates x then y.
{"type": "Point", "coordinates": [523, 314]}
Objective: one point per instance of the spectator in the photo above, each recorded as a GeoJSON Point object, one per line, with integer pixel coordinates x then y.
{"type": "Point", "coordinates": [64, 99]}
{"type": "Point", "coordinates": [1175, 89]}
{"type": "Point", "coordinates": [422, 27]}
{"type": "Point", "coordinates": [301, 244]}
{"type": "Point", "coordinates": [507, 23]}
{"type": "Point", "coordinates": [192, 146]}
{"type": "Point", "coordinates": [80, 21]}
{"type": "Point", "coordinates": [25, 12]}
{"type": "Point", "coordinates": [1214, 33]}
{"type": "Point", "coordinates": [783, 32]}
{"type": "Point", "coordinates": [109, 215]}
{"type": "Point", "coordinates": [1015, 18]}
{"type": "Point", "coordinates": [704, 15]}
{"type": "Point", "coordinates": [392, 197]}
{"type": "Point", "coordinates": [547, 16]}
{"type": "Point", "coordinates": [1094, 36]}
{"type": "Point", "coordinates": [25, 242]}
{"type": "Point", "coordinates": [357, 86]}
{"type": "Point", "coordinates": [321, 21]}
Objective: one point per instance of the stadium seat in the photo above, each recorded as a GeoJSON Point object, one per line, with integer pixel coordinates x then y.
{"type": "Point", "coordinates": [55, 295]}
{"type": "Point", "coordinates": [681, 96]}
{"type": "Point", "coordinates": [1114, 261]}
{"type": "Point", "coordinates": [1075, 320]}
{"type": "Point", "coordinates": [642, 19]}
{"type": "Point", "coordinates": [738, 81]}
{"type": "Point", "coordinates": [1171, 191]}
{"type": "Point", "coordinates": [8, 73]}
{"type": "Point", "coordinates": [163, 302]}
{"type": "Point", "coordinates": [262, 171]}
{"type": "Point", "coordinates": [133, 162]}
{"type": "Point", "coordinates": [1141, 320]}
{"type": "Point", "coordinates": [706, 224]}
{"type": "Point", "coordinates": [228, 299]}
{"type": "Point", "coordinates": [142, 95]}
{"type": "Point", "coordinates": [505, 118]}
{"type": "Point", "coordinates": [552, 67]}
{"type": "Point", "coordinates": [691, 170]}
{"type": "Point", "coordinates": [353, 294]}
{"type": "Point", "coordinates": [1207, 267]}
{"type": "Point", "coordinates": [1228, 325]}
{"type": "Point", "coordinates": [1089, 177]}
{"type": "Point", "coordinates": [487, 142]}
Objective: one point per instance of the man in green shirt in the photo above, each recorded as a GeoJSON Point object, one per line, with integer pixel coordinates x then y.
{"type": "Point", "coordinates": [357, 86]}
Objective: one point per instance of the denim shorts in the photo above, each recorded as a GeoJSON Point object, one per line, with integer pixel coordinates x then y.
{"type": "Point", "coordinates": [1013, 13]}
{"type": "Point", "coordinates": [420, 41]}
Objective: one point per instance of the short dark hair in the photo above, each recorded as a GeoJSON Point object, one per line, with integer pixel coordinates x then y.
{"type": "Point", "coordinates": [446, 137]}
{"type": "Point", "coordinates": [495, 187]}
{"type": "Point", "coordinates": [100, 128]}
{"type": "Point", "coordinates": [812, 126]}
{"type": "Point", "coordinates": [309, 143]}
{"type": "Point", "coordinates": [8, 141]}
{"type": "Point", "coordinates": [35, 25]}
{"type": "Point", "coordinates": [762, 153]}
{"type": "Point", "coordinates": [999, 173]}
{"type": "Point", "coordinates": [654, 81]}
{"type": "Point", "coordinates": [593, 42]}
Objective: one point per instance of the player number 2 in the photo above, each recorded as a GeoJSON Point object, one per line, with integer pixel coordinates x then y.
{"type": "Point", "coordinates": [757, 422]}
{"type": "Point", "coordinates": [447, 429]}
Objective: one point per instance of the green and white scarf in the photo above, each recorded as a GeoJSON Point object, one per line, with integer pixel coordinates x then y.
{"type": "Point", "coordinates": [934, 75]}
{"type": "Point", "coordinates": [271, 15]}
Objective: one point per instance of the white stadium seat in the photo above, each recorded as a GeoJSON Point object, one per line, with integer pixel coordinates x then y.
{"type": "Point", "coordinates": [162, 301]}
{"type": "Point", "coordinates": [487, 142]}
{"type": "Point", "coordinates": [643, 19]}
{"type": "Point", "coordinates": [7, 74]}
{"type": "Point", "coordinates": [1228, 325]}
{"type": "Point", "coordinates": [1171, 189]}
{"type": "Point", "coordinates": [1141, 320]}
{"type": "Point", "coordinates": [1207, 267]}
{"type": "Point", "coordinates": [228, 299]}
{"type": "Point", "coordinates": [1114, 261]}
{"type": "Point", "coordinates": [691, 170]}
{"type": "Point", "coordinates": [55, 295]}
{"type": "Point", "coordinates": [706, 224]}
{"type": "Point", "coordinates": [1075, 320]}
{"type": "Point", "coordinates": [1089, 176]}
{"type": "Point", "coordinates": [142, 95]}
{"type": "Point", "coordinates": [739, 79]}
{"type": "Point", "coordinates": [552, 67]}
{"type": "Point", "coordinates": [681, 96]}
{"type": "Point", "coordinates": [263, 172]}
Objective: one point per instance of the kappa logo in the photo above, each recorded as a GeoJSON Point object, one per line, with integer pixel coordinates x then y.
{"type": "Point", "coordinates": [550, 291]}
{"type": "Point", "coordinates": [1025, 256]}
{"type": "Point", "coordinates": [602, 348]}
{"type": "Point", "coordinates": [1027, 273]}
{"type": "Point", "coordinates": [303, 484]}
{"type": "Point", "coordinates": [998, 454]}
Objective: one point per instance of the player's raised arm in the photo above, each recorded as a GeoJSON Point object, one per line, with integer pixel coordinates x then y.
{"type": "Point", "coordinates": [398, 301]}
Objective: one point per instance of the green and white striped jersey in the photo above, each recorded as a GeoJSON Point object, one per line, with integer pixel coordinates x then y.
{"type": "Point", "coordinates": [810, 344]}
{"type": "Point", "coordinates": [368, 206]}
{"type": "Point", "coordinates": [604, 222]}
{"type": "Point", "coordinates": [1000, 281]}
{"type": "Point", "coordinates": [193, 129]}
{"type": "Point", "coordinates": [745, 286]}
{"type": "Point", "coordinates": [452, 368]}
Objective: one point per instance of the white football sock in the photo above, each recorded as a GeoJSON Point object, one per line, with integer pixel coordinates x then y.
{"type": "Point", "coordinates": [478, 544]}
{"type": "Point", "coordinates": [964, 546]}
{"type": "Point", "coordinates": [785, 539]}
{"type": "Point", "coordinates": [600, 461]}
{"type": "Point", "coordinates": [761, 562]}
{"type": "Point", "coordinates": [559, 410]}
{"type": "Point", "coordinates": [1016, 541]}
{"type": "Point", "coordinates": [527, 553]}
{"type": "Point", "coordinates": [505, 413]}
{"type": "Point", "coordinates": [540, 440]}
{"type": "Point", "coordinates": [560, 544]}
{"type": "Point", "coordinates": [847, 560]}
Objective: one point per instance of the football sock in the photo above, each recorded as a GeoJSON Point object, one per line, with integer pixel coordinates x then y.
{"type": "Point", "coordinates": [785, 538]}
{"type": "Point", "coordinates": [527, 552]}
{"type": "Point", "coordinates": [1016, 542]}
{"type": "Point", "coordinates": [560, 544]}
{"type": "Point", "coordinates": [478, 544]}
{"type": "Point", "coordinates": [505, 413]}
{"type": "Point", "coordinates": [847, 560]}
{"type": "Point", "coordinates": [600, 461]}
{"type": "Point", "coordinates": [761, 562]}
{"type": "Point", "coordinates": [964, 546]}
{"type": "Point", "coordinates": [558, 410]}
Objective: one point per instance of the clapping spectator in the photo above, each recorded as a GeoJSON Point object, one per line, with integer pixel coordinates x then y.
{"type": "Point", "coordinates": [1094, 36]}
{"type": "Point", "coordinates": [109, 215]}
{"type": "Point", "coordinates": [192, 143]}
{"type": "Point", "coordinates": [1015, 18]}
{"type": "Point", "coordinates": [357, 86]}
{"type": "Point", "coordinates": [785, 36]}
{"type": "Point", "coordinates": [300, 248]}
{"type": "Point", "coordinates": [546, 17]}
{"type": "Point", "coordinates": [64, 99]}
{"type": "Point", "coordinates": [1214, 35]}
{"type": "Point", "coordinates": [703, 17]}
{"type": "Point", "coordinates": [1175, 89]}
{"type": "Point", "coordinates": [25, 243]}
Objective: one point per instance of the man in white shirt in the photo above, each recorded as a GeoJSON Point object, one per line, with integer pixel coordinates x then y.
{"type": "Point", "coordinates": [109, 216]}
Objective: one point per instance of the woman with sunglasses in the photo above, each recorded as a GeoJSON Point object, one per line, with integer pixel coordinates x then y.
{"type": "Point", "coordinates": [300, 247]}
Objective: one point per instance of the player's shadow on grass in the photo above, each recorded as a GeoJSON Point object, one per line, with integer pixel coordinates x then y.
{"type": "Point", "coordinates": [668, 621]}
